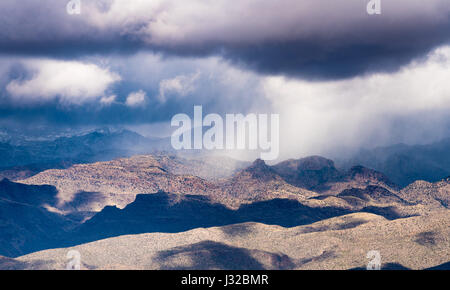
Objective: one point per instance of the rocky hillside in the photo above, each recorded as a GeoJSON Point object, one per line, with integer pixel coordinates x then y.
{"type": "Point", "coordinates": [116, 182]}
{"type": "Point", "coordinates": [337, 243]}
{"type": "Point", "coordinates": [434, 194]}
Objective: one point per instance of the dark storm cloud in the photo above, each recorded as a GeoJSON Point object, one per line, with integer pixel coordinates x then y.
{"type": "Point", "coordinates": [310, 39]}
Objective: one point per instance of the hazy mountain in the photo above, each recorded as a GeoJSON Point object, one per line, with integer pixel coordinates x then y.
{"type": "Point", "coordinates": [308, 172]}
{"type": "Point", "coordinates": [405, 164]}
{"type": "Point", "coordinates": [210, 167]}
{"type": "Point", "coordinates": [32, 156]}
{"type": "Point", "coordinates": [319, 174]}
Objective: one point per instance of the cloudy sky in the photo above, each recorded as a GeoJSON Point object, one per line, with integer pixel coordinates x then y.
{"type": "Point", "coordinates": [337, 76]}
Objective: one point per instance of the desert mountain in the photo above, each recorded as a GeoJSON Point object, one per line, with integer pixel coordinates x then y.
{"type": "Point", "coordinates": [320, 175]}
{"type": "Point", "coordinates": [371, 193]}
{"type": "Point", "coordinates": [259, 182]}
{"type": "Point", "coordinates": [434, 194]}
{"type": "Point", "coordinates": [115, 182]}
{"type": "Point", "coordinates": [414, 243]}
{"type": "Point", "coordinates": [90, 187]}
{"type": "Point", "coordinates": [88, 202]}
{"type": "Point", "coordinates": [308, 172]}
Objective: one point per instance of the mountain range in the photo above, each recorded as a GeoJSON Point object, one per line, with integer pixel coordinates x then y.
{"type": "Point", "coordinates": [21, 157]}
{"type": "Point", "coordinates": [213, 212]}
{"type": "Point", "coordinates": [89, 202]}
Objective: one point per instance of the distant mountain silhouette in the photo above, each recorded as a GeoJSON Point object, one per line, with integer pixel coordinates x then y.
{"type": "Point", "coordinates": [31, 157]}
{"type": "Point", "coordinates": [405, 164]}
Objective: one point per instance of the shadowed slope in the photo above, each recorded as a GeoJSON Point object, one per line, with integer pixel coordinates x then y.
{"type": "Point", "coordinates": [162, 212]}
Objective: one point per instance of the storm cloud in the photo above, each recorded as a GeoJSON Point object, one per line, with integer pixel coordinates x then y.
{"type": "Point", "coordinates": [337, 76]}
{"type": "Point", "coordinates": [309, 39]}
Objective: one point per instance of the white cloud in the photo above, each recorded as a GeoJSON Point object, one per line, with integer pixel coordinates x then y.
{"type": "Point", "coordinates": [70, 81]}
{"type": "Point", "coordinates": [363, 110]}
{"type": "Point", "coordinates": [108, 100]}
{"type": "Point", "coordinates": [180, 85]}
{"type": "Point", "coordinates": [136, 99]}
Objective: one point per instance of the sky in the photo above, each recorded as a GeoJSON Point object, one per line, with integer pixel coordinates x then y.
{"type": "Point", "coordinates": [337, 76]}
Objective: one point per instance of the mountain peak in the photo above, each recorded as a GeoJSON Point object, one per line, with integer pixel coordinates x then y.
{"type": "Point", "coordinates": [259, 163]}
{"type": "Point", "coordinates": [259, 170]}
{"type": "Point", "coordinates": [307, 172]}
{"type": "Point", "coordinates": [315, 163]}
{"type": "Point", "coordinates": [259, 166]}
{"type": "Point", "coordinates": [361, 172]}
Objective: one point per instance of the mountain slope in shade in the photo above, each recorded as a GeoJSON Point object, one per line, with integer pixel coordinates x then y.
{"type": "Point", "coordinates": [34, 195]}
{"type": "Point", "coordinates": [371, 193]}
{"type": "Point", "coordinates": [26, 224]}
{"type": "Point", "coordinates": [25, 228]}
{"type": "Point", "coordinates": [36, 228]}
{"type": "Point", "coordinates": [415, 243]}
{"type": "Point", "coordinates": [164, 212]}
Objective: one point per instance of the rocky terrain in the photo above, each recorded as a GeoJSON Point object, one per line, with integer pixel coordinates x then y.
{"type": "Point", "coordinates": [297, 214]}
{"type": "Point", "coordinates": [337, 243]}
{"type": "Point", "coordinates": [432, 194]}
{"type": "Point", "coordinates": [117, 182]}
